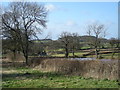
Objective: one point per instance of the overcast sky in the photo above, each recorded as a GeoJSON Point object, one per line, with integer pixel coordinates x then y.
{"type": "Point", "coordinates": [75, 16]}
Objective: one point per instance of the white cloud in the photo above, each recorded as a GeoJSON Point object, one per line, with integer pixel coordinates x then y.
{"type": "Point", "coordinates": [91, 21]}
{"type": "Point", "coordinates": [50, 7]}
{"type": "Point", "coordinates": [57, 28]}
{"type": "Point", "coordinates": [70, 23]}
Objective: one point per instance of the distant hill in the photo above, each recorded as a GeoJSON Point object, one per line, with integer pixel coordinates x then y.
{"type": "Point", "coordinates": [42, 40]}
{"type": "Point", "coordinates": [81, 38]}
{"type": "Point", "coordinates": [87, 38]}
{"type": "Point", "coordinates": [46, 40]}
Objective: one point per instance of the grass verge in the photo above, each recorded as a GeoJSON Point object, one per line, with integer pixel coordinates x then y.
{"type": "Point", "coordinates": [31, 78]}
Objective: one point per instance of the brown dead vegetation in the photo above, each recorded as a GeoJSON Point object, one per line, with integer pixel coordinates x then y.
{"type": "Point", "coordinates": [85, 68]}
{"type": "Point", "coordinates": [88, 68]}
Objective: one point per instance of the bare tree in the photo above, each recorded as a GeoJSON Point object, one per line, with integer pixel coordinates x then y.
{"type": "Point", "coordinates": [98, 31]}
{"type": "Point", "coordinates": [74, 42]}
{"type": "Point", "coordinates": [22, 21]}
{"type": "Point", "coordinates": [65, 40]}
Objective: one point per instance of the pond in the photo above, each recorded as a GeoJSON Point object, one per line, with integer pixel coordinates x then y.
{"type": "Point", "coordinates": [92, 59]}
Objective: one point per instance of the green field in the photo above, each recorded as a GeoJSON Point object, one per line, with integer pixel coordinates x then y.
{"type": "Point", "coordinates": [104, 56]}
{"type": "Point", "coordinates": [31, 78]}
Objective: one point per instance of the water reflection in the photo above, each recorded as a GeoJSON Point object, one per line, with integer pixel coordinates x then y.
{"type": "Point", "coordinates": [92, 59]}
{"type": "Point", "coordinates": [83, 58]}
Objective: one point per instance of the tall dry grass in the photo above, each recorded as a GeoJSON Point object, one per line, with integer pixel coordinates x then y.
{"type": "Point", "coordinates": [91, 68]}
{"type": "Point", "coordinates": [15, 58]}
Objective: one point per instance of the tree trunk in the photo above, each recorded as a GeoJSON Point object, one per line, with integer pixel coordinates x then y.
{"type": "Point", "coordinates": [96, 53]}
{"type": "Point", "coordinates": [73, 51]}
{"type": "Point", "coordinates": [26, 58]}
{"type": "Point", "coordinates": [66, 54]}
{"type": "Point", "coordinates": [26, 53]}
{"type": "Point", "coordinates": [96, 46]}
{"type": "Point", "coordinates": [66, 51]}
{"type": "Point", "coordinates": [26, 46]}
{"type": "Point", "coordinates": [14, 57]}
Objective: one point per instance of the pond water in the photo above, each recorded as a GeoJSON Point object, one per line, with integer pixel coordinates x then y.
{"type": "Point", "coordinates": [92, 59]}
{"type": "Point", "coordinates": [82, 58]}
